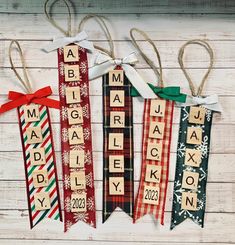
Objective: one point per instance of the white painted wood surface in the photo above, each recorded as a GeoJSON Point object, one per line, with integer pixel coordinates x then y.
{"type": "Point", "coordinates": [170, 24]}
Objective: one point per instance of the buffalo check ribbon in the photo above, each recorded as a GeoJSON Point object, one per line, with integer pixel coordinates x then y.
{"type": "Point", "coordinates": [77, 159]}
{"type": "Point", "coordinates": [37, 145]}
{"type": "Point", "coordinates": [118, 168]}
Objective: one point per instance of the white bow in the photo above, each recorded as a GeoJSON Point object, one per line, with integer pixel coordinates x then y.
{"type": "Point", "coordinates": [104, 64]}
{"type": "Point", "coordinates": [79, 39]}
{"type": "Point", "coordinates": [210, 102]}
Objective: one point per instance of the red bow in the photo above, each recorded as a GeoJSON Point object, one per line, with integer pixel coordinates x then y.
{"type": "Point", "coordinates": [38, 97]}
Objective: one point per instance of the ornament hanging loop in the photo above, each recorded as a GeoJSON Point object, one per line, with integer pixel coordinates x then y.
{"type": "Point", "coordinates": [68, 32]}
{"type": "Point", "coordinates": [146, 58]}
{"type": "Point", "coordinates": [25, 80]}
{"type": "Point", "coordinates": [101, 21]}
{"type": "Point", "coordinates": [208, 48]}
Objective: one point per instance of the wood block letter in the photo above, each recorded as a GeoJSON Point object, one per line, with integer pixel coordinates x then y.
{"type": "Point", "coordinates": [37, 156]}
{"type": "Point", "coordinates": [190, 180]}
{"type": "Point", "coordinates": [117, 98]}
{"type": "Point", "coordinates": [42, 201]}
{"type": "Point", "coordinates": [31, 113]}
{"type": "Point", "coordinates": [40, 178]}
{"type": "Point", "coordinates": [156, 130]}
{"type": "Point", "coordinates": [116, 78]}
{"type": "Point", "coordinates": [151, 194]}
{"type": "Point", "coordinates": [157, 108]}
{"type": "Point", "coordinates": [116, 164]}
{"type": "Point", "coordinates": [153, 173]}
{"type": "Point", "coordinates": [71, 73]}
{"type": "Point", "coordinates": [78, 180]}
{"type": "Point", "coordinates": [76, 136]}
{"type": "Point", "coordinates": [116, 141]}
{"type": "Point", "coordinates": [154, 151]}
{"type": "Point", "coordinates": [189, 201]}
{"type": "Point", "coordinates": [78, 202]}
{"type": "Point", "coordinates": [194, 135]}
{"type": "Point", "coordinates": [192, 157]}
{"type": "Point", "coordinates": [34, 135]}
{"type": "Point", "coordinates": [72, 95]}
{"type": "Point", "coordinates": [116, 185]}
{"type": "Point", "coordinates": [71, 53]}
{"type": "Point", "coordinates": [76, 159]}
{"type": "Point", "coordinates": [75, 115]}
{"type": "Point", "coordinates": [117, 119]}
{"type": "Point", "coordinates": [197, 115]}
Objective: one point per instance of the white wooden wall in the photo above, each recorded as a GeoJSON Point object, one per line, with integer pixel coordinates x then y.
{"type": "Point", "coordinates": [170, 25]}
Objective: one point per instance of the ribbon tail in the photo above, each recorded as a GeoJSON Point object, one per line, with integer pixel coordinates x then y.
{"type": "Point", "coordinates": [214, 107]}
{"type": "Point", "coordinates": [137, 81]}
{"type": "Point", "coordinates": [54, 45]}
{"type": "Point", "coordinates": [100, 69]}
{"type": "Point", "coordinates": [86, 45]}
{"type": "Point", "coordinates": [48, 102]}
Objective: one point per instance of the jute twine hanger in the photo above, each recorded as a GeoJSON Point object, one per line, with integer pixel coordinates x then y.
{"type": "Point", "coordinates": [68, 32]}
{"type": "Point", "coordinates": [208, 48]}
{"type": "Point", "coordinates": [101, 21]}
{"type": "Point", "coordinates": [148, 61]}
{"type": "Point", "coordinates": [25, 80]}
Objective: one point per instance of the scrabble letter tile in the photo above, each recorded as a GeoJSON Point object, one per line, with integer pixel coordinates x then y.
{"type": "Point", "coordinates": [192, 157]}
{"type": "Point", "coordinates": [116, 141]}
{"type": "Point", "coordinates": [76, 136]}
{"type": "Point", "coordinates": [31, 113]}
{"type": "Point", "coordinates": [189, 201]}
{"type": "Point", "coordinates": [116, 78]}
{"type": "Point", "coordinates": [116, 164]}
{"type": "Point", "coordinates": [78, 180]}
{"type": "Point", "coordinates": [72, 95]}
{"type": "Point", "coordinates": [71, 73]}
{"type": "Point", "coordinates": [190, 180]}
{"type": "Point", "coordinates": [151, 194]}
{"type": "Point", "coordinates": [76, 159]}
{"type": "Point", "coordinates": [34, 135]}
{"type": "Point", "coordinates": [71, 53]}
{"type": "Point", "coordinates": [40, 178]}
{"type": "Point", "coordinates": [117, 98]}
{"type": "Point", "coordinates": [153, 173]}
{"type": "Point", "coordinates": [157, 108]}
{"type": "Point", "coordinates": [42, 201]}
{"type": "Point", "coordinates": [37, 156]}
{"type": "Point", "coordinates": [197, 115]}
{"type": "Point", "coordinates": [154, 151]}
{"type": "Point", "coordinates": [156, 130]}
{"type": "Point", "coordinates": [116, 185]}
{"type": "Point", "coordinates": [75, 115]}
{"type": "Point", "coordinates": [194, 136]}
{"type": "Point", "coordinates": [117, 119]}
{"type": "Point", "coordinates": [78, 202]}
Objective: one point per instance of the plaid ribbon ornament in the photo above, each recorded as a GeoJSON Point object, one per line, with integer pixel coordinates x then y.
{"type": "Point", "coordinates": [37, 143]}
{"type": "Point", "coordinates": [75, 117]}
{"type": "Point", "coordinates": [157, 129]}
{"type": "Point", "coordinates": [189, 196]}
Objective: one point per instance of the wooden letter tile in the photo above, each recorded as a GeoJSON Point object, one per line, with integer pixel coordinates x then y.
{"type": "Point", "coordinates": [197, 115]}
{"type": "Point", "coordinates": [40, 178]}
{"type": "Point", "coordinates": [153, 173]}
{"type": "Point", "coordinates": [76, 136]}
{"type": "Point", "coordinates": [156, 130]}
{"type": "Point", "coordinates": [72, 95]}
{"type": "Point", "coordinates": [71, 53]}
{"type": "Point", "coordinates": [78, 202]}
{"type": "Point", "coordinates": [189, 201]}
{"type": "Point", "coordinates": [117, 119]}
{"type": "Point", "coordinates": [151, 194]}
{"type": "Point", "coordinates": [192, 157]}
{"type": "Point", "coordinates": [116, 141]}
{"type": "Point", "coordinates": [116, 78]}
{"type": "Point", "coordinates": [76, 159]}
{"type": "Point", "coordinates": [31, 113]}
{"type": "Point", "coordinates": [116, 185]}
{"type": "Point", "coordinates": [34, 135]}
{"type": "Point", "coordinates": [75, 115]}
{"type": "Point", "coordinates": [154, 151]}
{"type": "Point", "coordinates": [71, 73]}
{"type": "Point", "coordinates": [190, 180]}
{"type": "Point", "coordinates": [117, 98]}
{"type": "Point", "coordinates": [78, 180]}
{"type": "Point", "coordinates": [37, 156]}
{"type": "Point", "coordinates": [116, 164]}
{"type": "Point", "coordinates": [157, 108]}
{"type": "Point", "coordinates": [42, 201]}
{"type": "Point", "coordinates": [194, 135]}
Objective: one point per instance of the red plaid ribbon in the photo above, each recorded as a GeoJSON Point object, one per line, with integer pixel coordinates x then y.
{"type": "Point", "coordinates": [142, 208]}
{"type": "Point", "coordinates": [88, 216]}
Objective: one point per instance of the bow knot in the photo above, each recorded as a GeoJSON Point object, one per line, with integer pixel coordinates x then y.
{"type": "Point", "coordinates": [38, 97]}
{"type": "Point", "coordinates": [80, 39]}
{"type": "Point", "coordinates": [118, 62]}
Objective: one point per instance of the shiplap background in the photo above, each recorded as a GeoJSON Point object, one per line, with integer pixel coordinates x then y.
{"type": "Point", "coordinates": [170, 24]}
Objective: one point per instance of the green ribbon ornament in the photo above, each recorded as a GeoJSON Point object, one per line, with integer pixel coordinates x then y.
{"type": "Point", "coordinates": [169, 93]}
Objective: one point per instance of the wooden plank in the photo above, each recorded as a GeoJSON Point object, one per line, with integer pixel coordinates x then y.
{"type": "Point", "coordinates": [158, 27]}
{"type": "Point", "coordinates": [197, 57]}
{"type": "Point", "coordinates": [223, 138]}
{"type": "Point", "coordinates": [227, 117]}
{"type": "Point", "coordinates": [122, 6]}
{"type": "Point", "coordinates": [220, 81]}
{"type": "Point", "coordinates": [152, 232]}
{"type": "Point", "coordinates": [221, 166]}
{"type": "Point", "coordinates": [13, 196]}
